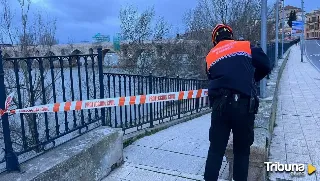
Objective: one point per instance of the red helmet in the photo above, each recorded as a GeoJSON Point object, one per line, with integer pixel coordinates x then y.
{"type": "Point", "coordinates": [217, 29]}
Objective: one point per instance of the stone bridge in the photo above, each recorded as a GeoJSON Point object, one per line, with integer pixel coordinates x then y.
{"type": "Point", "coordinates": [129, 54]}
{"type": "Point", "coordinates": [57, 50]}
{"type": "Point", "coordinates": [87, 48]}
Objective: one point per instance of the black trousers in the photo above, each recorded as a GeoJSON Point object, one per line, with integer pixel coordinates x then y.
{"type": "Point", "coordinates": [237, 118]}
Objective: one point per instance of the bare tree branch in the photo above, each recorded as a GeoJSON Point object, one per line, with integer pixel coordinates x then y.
{"type": "Point", "coordinates": [161, 29]}
{"type": "Point", "coordinates": [27, 37]}
{"type": "Point", "coordinates": [136, 27]}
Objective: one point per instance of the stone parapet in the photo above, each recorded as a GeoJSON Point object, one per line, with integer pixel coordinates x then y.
{"type": "Point", "coordinates": [91, 156]}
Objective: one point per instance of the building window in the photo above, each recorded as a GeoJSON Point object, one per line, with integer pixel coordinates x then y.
{"type": "Point", "coordinates": [311, 27]}
{"type": "Point", "coordinates": [307, 35]}
{"type": "Point", "coordinates": [314, 19]}
{"type": "Point", "coordinates": [312, 34]}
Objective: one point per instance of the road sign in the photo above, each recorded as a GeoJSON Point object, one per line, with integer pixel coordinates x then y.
{"type": "Point", "coordinates": [101, 38]}
{"type": "Point", "coordinates": [116, 42]}
{"type": "Point", "coordinates": [297, 28]}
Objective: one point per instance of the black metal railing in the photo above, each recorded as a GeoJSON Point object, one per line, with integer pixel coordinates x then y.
{"type": "Point", "coordinates": [135, 117]}
{"type": "Point", "coordinates": [44, 80]}
{"type": "Point", "coordinates": [271, 48]}
{"type": "Point", "coordinates": [54, 79]}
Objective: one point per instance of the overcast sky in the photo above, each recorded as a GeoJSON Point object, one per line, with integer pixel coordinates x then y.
{"type": "Point", "coordinates": [79, 20]}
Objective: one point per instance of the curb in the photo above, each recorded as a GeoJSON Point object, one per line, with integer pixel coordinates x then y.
{"type": "Point", "coordinates": [275, 96]}
{"type": "Point", "coordinates": [274, 107]}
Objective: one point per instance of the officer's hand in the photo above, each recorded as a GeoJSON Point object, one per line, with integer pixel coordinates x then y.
{"type": "Point", "coordinates": [210, 102]}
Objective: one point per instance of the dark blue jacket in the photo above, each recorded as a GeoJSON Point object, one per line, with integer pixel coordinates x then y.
{"type": "Point", "coordinates": [236, 65]}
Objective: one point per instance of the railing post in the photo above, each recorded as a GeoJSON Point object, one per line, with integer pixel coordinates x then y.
{"type": "Point", "coordinates": [198, 99]}
{"type": "Point", "coordinates": [101, 85]}
{"type": "Point", "coordinates": [179, 101]}
{"type": "Point", "coordinates": [12, 163]}
{"type": "Point", "coordinates": [150, 105]}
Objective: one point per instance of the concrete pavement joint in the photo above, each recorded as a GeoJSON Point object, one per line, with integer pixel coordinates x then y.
{"type": "Point", "coordinates": [181, 158]}
{"type": "Point", "coordinates": [132, 137]}
{"type": "Point", "coordinates": [171, 151]}
{"type": "Point", "coordinates": [296, 115]}
{"type": "Point", "coordinates": [164, 171]}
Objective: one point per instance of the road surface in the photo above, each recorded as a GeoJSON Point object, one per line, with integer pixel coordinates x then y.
{"type": "Point", "coordinates": [313, 52]}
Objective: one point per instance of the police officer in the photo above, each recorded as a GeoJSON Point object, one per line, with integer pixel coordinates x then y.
{"type": "Point", "coordinates": [233, 68]}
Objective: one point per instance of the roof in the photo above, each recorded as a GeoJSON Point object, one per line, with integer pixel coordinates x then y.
{"type": "Point", "coordinates": [291, 8]}
{"type": "Point", "coordinates": [313, 12]}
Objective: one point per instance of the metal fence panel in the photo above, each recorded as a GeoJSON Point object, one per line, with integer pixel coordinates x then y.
{"type": "Point", "coordinates": [55, 79]}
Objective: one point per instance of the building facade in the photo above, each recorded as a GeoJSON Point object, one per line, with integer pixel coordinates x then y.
{"type": "Point", "coordinates": [312, 22]}
{"type": "Point", "coordinates": [287, 11]}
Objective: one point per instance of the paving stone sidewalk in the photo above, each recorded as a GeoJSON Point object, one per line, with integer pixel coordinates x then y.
{"type": "Point", "coordinates": [296, 137]}
{"type": "Point", "coordinates": [175, 154]}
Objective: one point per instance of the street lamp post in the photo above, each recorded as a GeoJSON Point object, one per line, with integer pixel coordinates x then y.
{"type": "Point", "coordinates": [263, 42]}
{"type": "Point", "coordinates": [282, 27]}
{"type": "Point", "coordinates": [302, 34]}
{"type": "Point", "coordinates": [277, 32]}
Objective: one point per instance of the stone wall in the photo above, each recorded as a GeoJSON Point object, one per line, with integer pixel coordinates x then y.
{"type": "Point", "coordinates": [91, 156]}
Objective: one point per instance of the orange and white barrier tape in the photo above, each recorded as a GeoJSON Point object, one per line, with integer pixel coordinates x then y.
{"type": "Point", "coordinates": [107, 102]}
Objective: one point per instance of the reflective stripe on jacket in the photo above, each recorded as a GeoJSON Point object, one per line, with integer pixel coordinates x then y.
{"type": "Point", "coordinates": [236, 65]}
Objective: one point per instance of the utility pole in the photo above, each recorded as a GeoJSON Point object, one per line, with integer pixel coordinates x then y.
{"type": "Point", "coordinates": [277, 32]}
{"type": "Point", "coordinates": [263, 42]}
{"type": "Point", "coordinates": [282, 27]}
{"type": "Point", "coordinates": [302, 34]}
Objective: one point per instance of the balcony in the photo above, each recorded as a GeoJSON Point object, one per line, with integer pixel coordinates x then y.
{"type": "Point", "coordinates": [312, 22]}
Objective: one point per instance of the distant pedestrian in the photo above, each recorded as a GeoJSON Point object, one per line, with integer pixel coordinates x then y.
{"type": "Point", "coordinates": [233, 68]}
